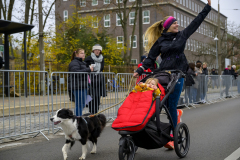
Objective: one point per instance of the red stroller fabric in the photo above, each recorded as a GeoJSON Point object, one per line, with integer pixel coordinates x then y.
{"type": "Point", "coordinates": [136, 111]}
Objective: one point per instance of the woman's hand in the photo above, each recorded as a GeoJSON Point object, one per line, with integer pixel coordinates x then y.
{"type": "Point", "coordinates": [209, 2]}
{"type": "Point", "coordinates": [91, 68]}
{"type": "Point", "coordinates": [135, 74]}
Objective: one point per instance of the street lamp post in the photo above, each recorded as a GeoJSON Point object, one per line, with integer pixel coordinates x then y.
{"type": "Point", "coordinates": [216, 39]}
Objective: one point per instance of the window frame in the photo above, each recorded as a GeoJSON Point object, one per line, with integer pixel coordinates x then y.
{"type": "Point", "coordinates": [118, 19]}
{"type": "Point", "coordinates": [146, 17]}
{"type": "Point", "coordinates": [120, 42]}
{"type": "Point", "coordinates": [133, 41]}
{"type": "Point", "coordinates": [94, 4]}
{"type": "Point", "coordinates": [104, 2]}
{"type": "Point", "coordinates": [93, 22]}
{"type": "Point", "coordinates": [132, 60]}
{"type": "Point", "coordinates": [107, 20]}
{"type": "Point", "coordinates": [81, 2]}
{"type": "Point", "coordinates": [65, 16]}
{"type": "Point", "coordinates": [130, 18]}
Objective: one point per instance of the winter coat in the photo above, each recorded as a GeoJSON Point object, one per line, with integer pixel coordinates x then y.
{"type": "Point", "coordinates": [97, 80]}
{"type": "Point", "coordinates": [226, 76]}
{"type": "Point", "coordinates": [214, 77]}
{"type": "Point", "coordinates": [90, 61]}
{"type": "Point", "coordinates": [171, 46]}
{"type": "Point", "coordinates": [189, 77]}
{"type": "Point", "coordinates": [204, 71]}
{"type": "Point", "coordinates": [1, 62]}
{"type": "Point", "coordinates": [77, 80]}
{"type": "Point", "coordinates": [234, 73]}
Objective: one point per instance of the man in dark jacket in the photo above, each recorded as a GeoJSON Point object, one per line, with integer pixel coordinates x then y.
{"type": "Point", "coordinates": [227, 78]}
{"type": "Point", "coordinates": [214, 78]}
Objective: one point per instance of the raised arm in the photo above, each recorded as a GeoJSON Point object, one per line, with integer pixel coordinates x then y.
{"type": "Point", "coordinates": [153, 53]}
{"type": "Point", "coordinates": [193, 26]}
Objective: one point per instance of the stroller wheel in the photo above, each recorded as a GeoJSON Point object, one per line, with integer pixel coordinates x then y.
{"type": "Point", "coordinates": [181, 140]}
{"type": "Point", "coordinates": [126, 149]}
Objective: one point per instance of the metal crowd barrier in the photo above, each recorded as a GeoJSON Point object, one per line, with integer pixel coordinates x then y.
{"type": "Point", "coordinates": [27, 103]}
{"type": "Point", "coordinates": [210, 89]}
{"type": "Point", "coordinates": [83, 93]}
{"type": "Point", "coordinates": [23, 109]}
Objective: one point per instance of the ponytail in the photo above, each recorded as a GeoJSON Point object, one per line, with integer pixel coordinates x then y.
{"type": "Point", "coordinates": [76, 52]}
{"type": "Point", "coordinates": [153, 33]}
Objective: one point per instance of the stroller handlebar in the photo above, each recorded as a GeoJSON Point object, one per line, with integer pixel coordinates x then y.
{"type": "Point", "coordinates": [178, 72]}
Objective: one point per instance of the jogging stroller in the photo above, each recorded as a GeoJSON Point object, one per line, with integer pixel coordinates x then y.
{"type": "Point", "coordinates": [138, 120]}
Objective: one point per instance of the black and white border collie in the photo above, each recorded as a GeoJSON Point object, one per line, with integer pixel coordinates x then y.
{"type": "Point", "coordinates": [79, 129]}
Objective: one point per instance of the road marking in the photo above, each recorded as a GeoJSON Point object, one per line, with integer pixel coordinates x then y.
{"type": "Point", "coordinates": [9, 145]}
{"type": "Point", "coordinates": [234, 156]}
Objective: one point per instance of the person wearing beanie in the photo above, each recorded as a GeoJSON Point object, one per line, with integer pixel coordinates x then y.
{"type": "Point", "coordinates": [97, 87]}
{"type": "Point", "coordinates": [165, 38]}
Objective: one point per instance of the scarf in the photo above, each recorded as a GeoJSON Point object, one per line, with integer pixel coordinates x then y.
{"type": "Point", "coordinates": [97, 61]}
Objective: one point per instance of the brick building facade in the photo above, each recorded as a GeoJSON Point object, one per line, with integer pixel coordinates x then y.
{"type": "Point", "coordinates": [200, 43]}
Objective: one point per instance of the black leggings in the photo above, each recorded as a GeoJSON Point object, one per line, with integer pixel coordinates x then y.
{"type": "Point", "coordinates": [94, 104]}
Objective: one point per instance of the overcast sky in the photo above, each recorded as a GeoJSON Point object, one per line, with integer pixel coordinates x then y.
{"type": "Point", "coordinates": [226, 8]}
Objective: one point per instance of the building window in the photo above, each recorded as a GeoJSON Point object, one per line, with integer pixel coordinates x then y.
{"type": "Point", "coordinates": [200, 8]}
{"type": "Point", "coordinates": [106, 2]}
{"type": "Point", "coordinates": [191, 45]}
{"type": "Point", "coordinates": [145, 41]}
{"type": "Point", "coordinates": [185, 25]}
{"type": "Point", "coordinates": [190, 4]}
{"type": "Point", "coordinates": [65, 15]}
{"type": "Point", "coordinates": [187, 21]}
{"type": "Point", "coordinates": [119, 1]}
{"type": "Point", "coordinates": [174, 14]}
{"type": "Point", "coordinates": [204, 31]}
{"type": "Point", "coordinates": [181, 20]}
{"type": "Point", "coordinates": [107, 20]}
{"type": "Point", "coordinates": [180, 1]}
{"type": "Point", "coordinates": [95, 21]}
{"type": "Point", "coordinates": [132, 0]}
{"type": "Point", "coordinates": [118, 20]}
{"type": "Point", "coordinates": [133, 61]}
{"type": "Point", "coordinates": [64, 0]}
{"type": "Point", "coordinates": [131, 18]}
{"type": "Point", "coordinates": [183, 2]}
{"type": "Point", "coordinates": [177, 1]}
{"type": "Point", "coordinates": [196, 9]}
{"type": "Point", "coordinates": [178, 17]}
{"type": "Point", "coordinates": [187, 3]}
{"type": "Point", "coordinates": [119, 42]}
{"type": "Point", "coordinates": [134, 41]}
{"type": "Point", "coordinates": [82, 3]}
{"type": "Point", "coordinates": [194, 45]}
{"type": "Point", "coordinates": [146, 17]}
{"type": "Point", "coordinates": [193, 6]}
{"type": "Point", "coordinates": [94, 2]}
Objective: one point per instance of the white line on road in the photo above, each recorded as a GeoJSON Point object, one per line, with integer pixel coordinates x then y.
{"type": "Point", "coordinates": [234, 156]}
{"type": "Point", "coordinates": [9, 145]}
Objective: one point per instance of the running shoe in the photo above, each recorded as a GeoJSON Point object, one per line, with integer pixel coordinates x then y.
{"type": "Point", "coordinates": [180, 113]}
{"type": "Point", "coordinates": [170, 145]}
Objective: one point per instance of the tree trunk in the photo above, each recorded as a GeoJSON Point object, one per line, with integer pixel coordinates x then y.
{"type": "Point", "coordinates": [10, 8]}
{"type": "Point", "coordinates": [27, 8]}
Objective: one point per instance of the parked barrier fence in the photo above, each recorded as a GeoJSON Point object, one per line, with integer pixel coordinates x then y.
{"type": "Point", "coordinates": [27, 103]}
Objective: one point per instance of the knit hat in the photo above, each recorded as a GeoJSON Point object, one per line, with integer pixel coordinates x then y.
{"type": "Point", "coordinates": [233, 66]}
{"type": "Point", "coordinates": [168, 22]}
{"type": "Point", "coordinates": [97, 47]}
{"type": "Point", "coordinates": [143, 57]}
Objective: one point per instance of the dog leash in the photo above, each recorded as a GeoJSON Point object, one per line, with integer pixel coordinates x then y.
{"type": "Point", "coordinates": [117, 103]}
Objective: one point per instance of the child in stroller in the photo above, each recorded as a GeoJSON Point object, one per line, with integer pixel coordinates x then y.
{"type": "Point", "coordinates": [139, 116]}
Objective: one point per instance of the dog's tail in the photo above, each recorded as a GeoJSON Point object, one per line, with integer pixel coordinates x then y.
{"type": "Point", "coordinates": [103, 120]}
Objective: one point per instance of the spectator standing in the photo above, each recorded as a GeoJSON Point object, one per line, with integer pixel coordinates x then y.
{"type": "Point", "coordinates": [79, 82]}
{"type": "Point", "coordinates": [226, 81]}
{"type": "Point", "coordinates": [214, 78]}
{"type": "Point", "coordinates": [198, 70]}
{"type": "Point", "coordinates": [97, 88]}
{"type": "Point", "coordinates": [191, 91]}
{"type": "Point", "coordinates": [204, 82]}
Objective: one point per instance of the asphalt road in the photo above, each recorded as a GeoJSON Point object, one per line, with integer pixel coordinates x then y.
{"type": "Point", "coordinates": [214, 131]}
